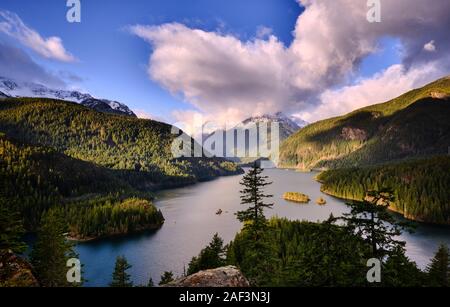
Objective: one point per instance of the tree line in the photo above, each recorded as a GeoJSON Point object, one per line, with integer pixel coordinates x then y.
{"type": "Point", "coordinates": [420, 187]}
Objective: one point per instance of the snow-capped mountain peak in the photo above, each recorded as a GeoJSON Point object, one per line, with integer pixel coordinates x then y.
{"type": "Point", "coordinates": [291, 124]}
{"type": "Point", "coordinates": [15, 88]}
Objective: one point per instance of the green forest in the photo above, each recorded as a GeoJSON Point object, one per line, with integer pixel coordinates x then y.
{"type": "Point", "coordinates": [421, 187]}
{"type": "Point", "coordinates": [97, 169]}
{"type": "Point", "coordinates": [112, 141]}
{"type": "Point", "coordinates": [413, 125]}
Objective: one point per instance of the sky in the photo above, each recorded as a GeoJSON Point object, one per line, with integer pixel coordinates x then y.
{"type": "Point", "coordinates": [227, 60]}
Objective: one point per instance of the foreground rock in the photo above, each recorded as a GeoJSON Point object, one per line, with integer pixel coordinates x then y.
{"type": "Point", "coordinates": [15, 272]}
{"type": "Point", "coordinates": [228, 276]}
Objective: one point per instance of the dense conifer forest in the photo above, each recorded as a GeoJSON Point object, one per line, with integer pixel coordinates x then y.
{"type": "Point", "coordinates": [421, 187]}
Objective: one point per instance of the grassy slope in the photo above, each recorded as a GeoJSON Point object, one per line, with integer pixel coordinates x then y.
{"type": "Point", "coordinates": [412, 125]}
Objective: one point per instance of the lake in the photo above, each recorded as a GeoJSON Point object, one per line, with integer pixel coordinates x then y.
{"type": "Point", "coordinates": [191, 221]}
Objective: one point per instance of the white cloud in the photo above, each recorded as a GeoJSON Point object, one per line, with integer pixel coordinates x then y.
{"type": "Point", "coordinates": [230, 79]}
{"type": "Point", "coordinates": [18, 65]}
{"type": "Point", "coordinates": [382, 87]}
{"type": "Point", "coordinates": [263, 32]}
{"type": "Point", "coordinates": [51, 47]}
{"type": "Point", "coordinates": [429, 46]}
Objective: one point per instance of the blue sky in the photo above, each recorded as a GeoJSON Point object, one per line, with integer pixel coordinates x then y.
{"type": "Point", "coordinates": [101, 39]}
{"type": "Point", "coordinates": [113, 63]}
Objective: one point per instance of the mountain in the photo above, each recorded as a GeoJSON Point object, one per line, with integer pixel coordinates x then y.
{"type": "Point", "coordinates": [141, 147]}
{"type": "Point", "coordinates": [15, 88]}
{"type": "Point", "coordinates": [413, 125]}
{"type": "Point", "coordinates": [3, 95]}
{"type": "Point", "coordinates": [107, 106]}
{"type": "Point", "coordinates": [287, 127]}
{"type": "Point", "coordinates": [63, 156]}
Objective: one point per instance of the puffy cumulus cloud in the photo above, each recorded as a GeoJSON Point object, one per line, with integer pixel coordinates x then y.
{"type": "Point", "coordinates": [430, 46]}
{"type": "Point", "coordinates": [16, 64]}
{"type": "Point", "coordinates": [51, 47]}
{"type": "Point", "coordinates": [218, 73]}
{"type": "Point", "coordinates": [382, 87]}
{"type": "Point", "coordinates": [229, 79]}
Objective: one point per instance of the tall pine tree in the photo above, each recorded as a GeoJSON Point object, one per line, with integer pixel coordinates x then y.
{"type": "Point", "coordinates": [120, 277]}
{"type": "Point", "coordinates": [211, 257]}
{"type": "Point", "coordinates": [439, 269]}
{"type": "Point", "coordinates": [253, 196]}
{"type": "Point", "coordinates": [372, 221]}
{"type": "Point", "coordinates": [51, 251]}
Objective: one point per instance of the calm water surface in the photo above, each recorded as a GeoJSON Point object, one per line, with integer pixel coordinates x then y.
{"type": "Point", "coordinates": [191, 221]}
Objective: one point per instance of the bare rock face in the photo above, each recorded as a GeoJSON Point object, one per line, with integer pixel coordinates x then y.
{"type": "Point", "coordinates": [439, 95]}
{"type": "Point", "coordinates": [352, 134]}
{"type": "Point", "coordinates": [16, 272]}
{"type": "Point", "coordinates": [228, 276]}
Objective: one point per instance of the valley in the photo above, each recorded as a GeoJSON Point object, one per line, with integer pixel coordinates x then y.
{"type": "Point", "coordinates": [114, 181]}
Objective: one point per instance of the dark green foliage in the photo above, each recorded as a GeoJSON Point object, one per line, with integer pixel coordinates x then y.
{"type": "Point", "coordinates": [51, 251]}
{"type": "Point", "coordinates": [109, 216]}
{"type": "Point", "coordinates": [166, 278]}
{"type": "Point", "coordinates": [36, 178]}
{"type": "Point", "coordinates": [438, 272]}
{"type": "Point", "coordinates": [305, 254]}
{"type": "Point", "coordinates": [399, 271]}
{"type": "Point", "coordinates": [120, 277]}
{"type": "Point", "coordinates": [253, 195]}
{"type": "Point", "coordinates": [78, 156]}
{"type": "Point", "coordinates": [293, 253]}
{"type": "Point", "coordinates": [210, 257]}
{"type": "Point", "coordinates": [421, 187]}
{"type": "Point", "coordinates": [371, 221]}
{"type": "Point", "coordinates": [11, 230]}
{"type": "Point", "coordinates": [141, 147]}
{"type": "Point", "coordinates": [412, 125]}
{"type": "Point", "coordinates": [150, 283]}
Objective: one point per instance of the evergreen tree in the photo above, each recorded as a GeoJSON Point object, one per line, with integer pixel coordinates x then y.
{"type": "Point", "coordinates": [399, 271]}
{"type": "Point", "coordinates": [210, 257]}
{"type": "Point", "coordinates": [439, 269]}
{"type": "Point", "coordinates": [120, 277]}
{"type": "Point", "coordinates": [150, 283]}
{"type": "Point", "coordinates": [371, 220]}
{"type": "Point", "coordinates": [253, 195]}
{"type": "Point", "coordinates": [11, 230]}
{"type": "Point", "coordinates": [166, 277]}
{"type": "Point", "coordinates": [51, 251]}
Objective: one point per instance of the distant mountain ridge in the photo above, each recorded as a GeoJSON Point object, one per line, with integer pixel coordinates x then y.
{"type": "Point", "coordinates": [414, 125]}
{"type": "Point", "coordinates": [287, 127]}
{"type": "Point", "coordinates": [13, 88]}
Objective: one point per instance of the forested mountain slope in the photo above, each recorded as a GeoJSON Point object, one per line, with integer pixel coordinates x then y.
{"type": "Point", "coordinates": [35, 179]}
{"type": "Point", "coordinates": [96, 168]}
{"type": "Point", "coordinates": [115, 142]}
{"type": "Point", "coordinates": [421, 187]}
{"type": "Point", "coordinates": [415, 124]}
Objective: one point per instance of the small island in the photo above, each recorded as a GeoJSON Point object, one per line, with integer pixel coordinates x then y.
{"type": "Point", "coordinates": [321, 202]}
{"type": "Point", "coordinates": [296, 197]}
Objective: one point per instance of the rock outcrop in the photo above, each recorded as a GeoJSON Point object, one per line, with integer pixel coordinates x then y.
{"type": "Point", "coordinates": [16, 272]}
{"type": "Point", "coordinates": [228, 276]}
